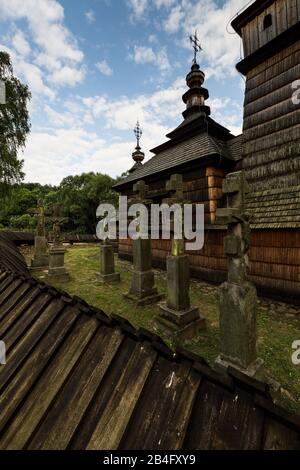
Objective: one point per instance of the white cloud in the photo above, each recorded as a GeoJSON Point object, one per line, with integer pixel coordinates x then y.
{"type": "Point", "coordinates": [138, 8]}
{"type": "Point", "coordinates": [51, 156]}
{"type": "Point", "coordinates": [20, 44]}
{"type": "Point", "coordinates": [68, 76]}
{"type": "Point", "coordinates": [56, 50]}
{"type": "Point", "coordinates": [90, 16]}
{"type": "Point", "coordinates": [143, 55]}
{"type": "Point", "coordinates": [173, 22]}
{"type": "Point", "coordinates": [164, 3]}
{"type": "Point", "coordinates": [220, 49]}
{"type": "Point", "coordinates": [104, 68]}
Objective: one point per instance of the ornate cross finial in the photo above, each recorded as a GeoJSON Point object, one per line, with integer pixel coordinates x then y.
{"type": "Point", "coordinates": [138, 133]}
{"type": "Point", "coordinates": [196, 45]}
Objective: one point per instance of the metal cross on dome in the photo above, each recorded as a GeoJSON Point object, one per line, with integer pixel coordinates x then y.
{"type": "Point", "coordinates": [138, 133]}
{"type": "Point", "coordinates": [196, 45]}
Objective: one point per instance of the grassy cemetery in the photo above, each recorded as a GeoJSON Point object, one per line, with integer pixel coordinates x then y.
{"type": "Point", "coordinates": [278, 323]}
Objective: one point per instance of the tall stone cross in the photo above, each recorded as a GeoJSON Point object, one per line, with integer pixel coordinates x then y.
{"type": "Point", "coordinates": [140, 190]}
{"type": "Point", "coordinates": [176, 187]}
{"type": "Point", "coordinates": [177, 315]}
{"type": "Point", "coordinates": [238, 298]}
{"type": "Point", "coordinates": [142, 290]}
{"type": "Point", "coordinates": [57, 219]}
{"type": "Point", "coordinates": [40, 212]}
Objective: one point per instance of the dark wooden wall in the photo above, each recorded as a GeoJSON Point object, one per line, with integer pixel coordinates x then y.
{"type": "Point", "coordinates": [285, 13]}
{"type": "Point", "coordinates": [271, 149]}
{"type": "Point", "coordinates": [274, 260]}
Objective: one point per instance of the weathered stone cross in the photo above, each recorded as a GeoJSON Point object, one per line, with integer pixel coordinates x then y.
{"type": "Point", "coordinates": [58, 219]}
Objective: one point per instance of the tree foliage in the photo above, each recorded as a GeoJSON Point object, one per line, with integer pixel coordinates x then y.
{"type": "Point", "coordinates": [79, 195]}
{"type": "Point", "coordinates": [14, 125]}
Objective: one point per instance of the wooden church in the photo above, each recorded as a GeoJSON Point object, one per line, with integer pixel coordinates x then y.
{"type": "Point", "coordinates": [204, 151]}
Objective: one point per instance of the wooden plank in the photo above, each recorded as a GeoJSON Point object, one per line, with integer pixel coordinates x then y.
{"type": "Point", "coordinates": [103, 395]}
{"type": "Point", "coordinates": [66, 413]}
{"type": "Point", "coordinates": [11, 332]}
{"type": "Point", "coordinates": [292, 13]}
{"type": "Point", "coordinates": [165, 380]}
{"type": "Point", "coordinates": [281, 15]}
{"type": "Point", "coordinates": [113, 422]}
{"type": "Point", "coordinates": [204, 419]}
{"type": "Point", "coordinates": [22, 382]}
{"type": "Point", "coordinates": [13, 300]}
{"type": "Point", "coordinates": [23, 348]}
{"type": "Point", "coordinates": [280, 437]}
{"type": "Point", "coordinates": [240, 423]}
{"type": "Point", "coordinates": [11, 288]}
{"type": "Point", "coordinates": [18, 310]}
{"type": "Point", "coordinates": [37, 403]}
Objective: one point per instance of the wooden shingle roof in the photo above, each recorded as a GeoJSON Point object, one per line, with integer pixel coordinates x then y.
{"type": "Point", "coordinates": [78, 379]}
{"type": "Point", "coordinates": [197, 147]}
{"type": "Point", "coordinates": [275, 208]}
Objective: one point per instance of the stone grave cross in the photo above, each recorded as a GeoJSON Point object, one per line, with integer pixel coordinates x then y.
{"type": "Point", "coordinates": [238, 298]}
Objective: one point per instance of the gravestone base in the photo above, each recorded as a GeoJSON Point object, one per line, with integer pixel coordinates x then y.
{"type": "Point", "coordinates": [142, 291]}
{"type": "Point", "coordinates": [255, 370]}
{"type": "Point", "coordinates": [180, 324]}
{"type": "Point", "coordinates": [177, 316]}
{"type": "Point", "coordinates": [107, 272]}
{"type": "Point", "coordinates": [57, 269]}
{"type": "Point", "coordinates": [40, 259]}
{"type": "Point", "coordinates": [39, 262]}
{"type": "Point", "coordinates": [109, 278]}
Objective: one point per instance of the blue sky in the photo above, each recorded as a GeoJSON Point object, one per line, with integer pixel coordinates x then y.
{"type": "Point", "coordinates": [95, 66]}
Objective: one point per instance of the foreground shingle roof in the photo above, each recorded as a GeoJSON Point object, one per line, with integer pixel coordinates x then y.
{"type": "Point", "coordinates": [78, 379]}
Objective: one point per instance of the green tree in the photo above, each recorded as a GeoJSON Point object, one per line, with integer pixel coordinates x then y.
{"type": "Point", "coordinates": [81, 195]}
{"type": "Point", "coordinates": [14, 125]}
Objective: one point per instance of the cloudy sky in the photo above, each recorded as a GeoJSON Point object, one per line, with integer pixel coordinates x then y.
{"type": "Point", "coordinates": [95, 66]}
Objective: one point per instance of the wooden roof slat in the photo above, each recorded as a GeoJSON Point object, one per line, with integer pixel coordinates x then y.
{"type": "Point", "coordinates": [61, 423]}
{"type": "Point", "coordinates": [164, 407]}
{"type": "Point", "coordinates": [21, 383]}
{"type": "Point", "coordinates": [103, 395]}
{"type": "Point", "coordinates": [112, 424]}
{"type": "Point", "coordinates": [19, 309]}
{"type": "Point", "coordinates": [277, 437]}
{"type": "Point", "coordinates": [37, 403]}
{"type": "Point", "coordinates": [17, 355]}
{"type": "Point", "coordinates": [9, 291]}
{"type": "Point", "coordinates": [13, 300]}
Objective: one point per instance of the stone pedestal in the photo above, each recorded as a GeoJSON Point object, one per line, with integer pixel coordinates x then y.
{"type": "Point", "coordinates": [40, 259]}
{"type": "Point", "coordinates": [177, 316]}
{"type": "Point", "coordinates": [142, 290]}
{"type": "Point", "coordinates": [57, 269]}
{"type": "Point", "coordinates": [238, 305]}
{"type": "Point", "coordinates": [107, 265]}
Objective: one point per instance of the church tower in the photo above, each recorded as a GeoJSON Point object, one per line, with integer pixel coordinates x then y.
{"type": "Point", "coordinates": [270, 31]}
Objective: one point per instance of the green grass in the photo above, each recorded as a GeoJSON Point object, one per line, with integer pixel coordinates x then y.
{"type": "Point", "coordinates": [276, 332]}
